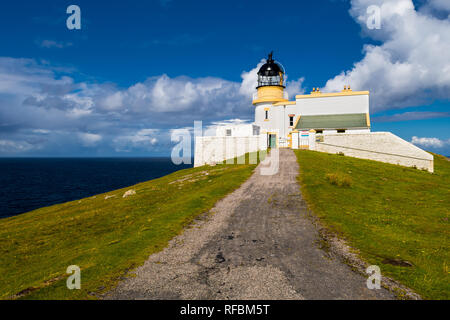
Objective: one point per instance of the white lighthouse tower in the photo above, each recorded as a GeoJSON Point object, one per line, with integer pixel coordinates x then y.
{"type": "Point", "coordinates": [270, 90]}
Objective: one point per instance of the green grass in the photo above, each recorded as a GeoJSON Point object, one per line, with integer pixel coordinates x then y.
{"type": "Point", "coordinates": [386, 212]}
{"type": "Point", "coordinates": [105, 238]}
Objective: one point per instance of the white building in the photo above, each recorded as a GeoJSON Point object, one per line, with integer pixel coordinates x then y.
{"type": "Point", "coordinates": [336, 122]}
{"type": "Point", "coordinates": [237, 130]}
{"type": "Point", "coordinates": [326, 113]}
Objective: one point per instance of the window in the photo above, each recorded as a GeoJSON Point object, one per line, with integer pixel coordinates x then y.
{"type": "Point", "coordinates": [319, 131]}
{"type": "Point", "coordinates": [228, 132]}
{"type": "Point", "coordinates": [266, 115]}
{"type": "Point", "coordinates": [255, 130]}
{"type": "Point", "coordinates": [291, 121]}
{"type": "Point", "coordinates": [341, 131]}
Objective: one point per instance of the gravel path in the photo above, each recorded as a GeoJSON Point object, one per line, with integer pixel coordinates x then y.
{"type": "Point", "coordinates": [258, 244]}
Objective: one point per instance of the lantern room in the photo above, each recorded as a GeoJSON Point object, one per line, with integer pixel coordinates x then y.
{"type": "Point", "coordinates": [271, 82]}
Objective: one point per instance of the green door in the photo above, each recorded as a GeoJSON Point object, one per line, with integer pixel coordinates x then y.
{"type": "Point", "coordinates": [272, 140]}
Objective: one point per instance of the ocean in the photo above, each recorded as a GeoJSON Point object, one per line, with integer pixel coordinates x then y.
{"type": "Point", "coordinates": [30, 183]}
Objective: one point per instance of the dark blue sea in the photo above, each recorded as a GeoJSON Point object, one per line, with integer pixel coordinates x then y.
{"type": "Point", "coordinates": [30, 183]}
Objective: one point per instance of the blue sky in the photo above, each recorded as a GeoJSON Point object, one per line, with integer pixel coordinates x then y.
{"type": "Point", "coordinates": [138, 69]}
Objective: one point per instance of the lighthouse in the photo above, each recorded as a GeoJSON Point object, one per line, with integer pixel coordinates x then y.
{"type": "Point", "coordinates": [271, 83]}
{"type": "Point", "coordinates": [270, 90]}
{"type": "Point", "coordinates": [325, 113]}
{"type": "Point", "coordinates": [334, 122]}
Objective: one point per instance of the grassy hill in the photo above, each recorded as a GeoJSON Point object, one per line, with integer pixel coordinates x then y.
{"type": "Point", "coordinates": [105, 235]}
{"type": "Point", "coordinates": [392, 214]}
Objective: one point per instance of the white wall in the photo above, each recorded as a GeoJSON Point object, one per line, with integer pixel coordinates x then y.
{"type": "Point", "coordinates": [212, 150]}
{"type": "Point", "coordinates": [333, 105]}
{"type": "Point", "coordinates": [379, 146]}
{"type": "Point", "coordinates": [295, 140]}
{"type": "Point", "coordinates": [260, 116]}
{"type": "Point", "coordinates": [356, 131]}
{"type": "Point", "coordinates": [237, 130]}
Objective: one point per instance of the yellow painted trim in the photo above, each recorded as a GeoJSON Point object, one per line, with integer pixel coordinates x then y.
{"type": "Point", "coordinates": [287, 103]}
{"type": "Point", "coordinates": [368, 119]}
{"type": "Point", "coordinates": [269, 94]}
{"type": "Point", "coordinates": [267, 100]}
{"type": "Point", "coordinates": [333, 94]}
{"type": "Point", "coordinates": [266, 109]}
{"type": "Point", "coordinates": [296, 122]}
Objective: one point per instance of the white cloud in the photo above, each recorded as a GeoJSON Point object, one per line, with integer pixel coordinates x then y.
{"type": "Point", "coordinates": [441, 5]}
{"type": "Point", "coordinates": [54, 44]}
{"type": "Point", "coordinates": [9, 146]}
{"type": "Point", "coordinates": [250, 81]}
{"type": "Point", "coordinates": [410, 67]}
{"type": "Point", "coordinates": [230, 122]}
{"type": "Point", "coordinates": [41, 131]}
{"type": "Point", "coordinates": [36, 96]}
{"type": "Point", "coordinates": [89, 139]}
{"type": "Point", "coordinates": [295, 87]}
{"type": "Point", "coordinates": [144, 138]}
{"type": "Point", "coordinates": [429, 142]}
{"type": "Point", "coordinates": [210, 130]}
{"type": "Point", "coordinates": [113, 101]}
{"type": "Point", "coordinates": [408, 116]}
{"type": "Point", "coordinates": [25, 77]}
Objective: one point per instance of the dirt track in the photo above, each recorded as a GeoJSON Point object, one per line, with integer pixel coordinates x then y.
{"type": "Point", "coordinates": [258, 244]}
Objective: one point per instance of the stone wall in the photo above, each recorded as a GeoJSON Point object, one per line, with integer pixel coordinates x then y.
{"type": "Point", "coordinates": [211, 150]}
{"type": "Point", "coordinates": [379, 146]}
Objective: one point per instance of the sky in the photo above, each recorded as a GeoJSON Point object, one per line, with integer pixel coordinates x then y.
{"type": "Point", "coordinates": [137, 70]}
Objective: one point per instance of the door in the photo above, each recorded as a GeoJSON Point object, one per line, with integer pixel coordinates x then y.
{"type": "Point", "coordinates": [272, 140]}
{"type": "Point", "coordinates": [290, 140]}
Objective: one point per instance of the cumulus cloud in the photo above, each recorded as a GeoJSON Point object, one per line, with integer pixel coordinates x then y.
{"type": "Point", "coordinates": [44, 108]}
{"type": "Point", "coordinates": [295, 87]}
{"type": "Point", "coordinates": [41, 105]}
{"type": "Point", "coordinates": [437, 8]}
{"type": "Point", "coordinates": [440, 5]}
{"type": "Point", "coordinates": [250, 80]}
{"type": "Point", "coordinates": [429, 142]}
{"type": "Point", "coordinates": [411, 66]}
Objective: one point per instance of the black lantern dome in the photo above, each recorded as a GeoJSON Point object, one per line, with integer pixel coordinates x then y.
{"type": "Point", "coordinates": [271, 73]}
